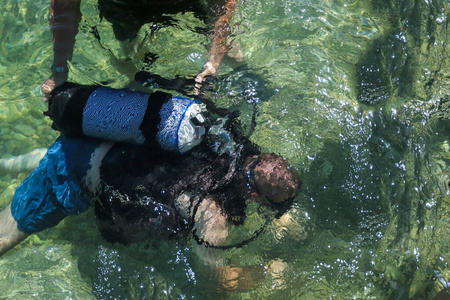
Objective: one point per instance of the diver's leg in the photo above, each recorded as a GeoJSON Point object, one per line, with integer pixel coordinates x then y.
{"type": "Point", "coordinates": [22, 163]}
{"type": "Point", "coordinates": [10, 235]}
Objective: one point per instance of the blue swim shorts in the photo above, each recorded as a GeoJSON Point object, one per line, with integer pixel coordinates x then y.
{"type": "Point", "coordinates": [53, 190]}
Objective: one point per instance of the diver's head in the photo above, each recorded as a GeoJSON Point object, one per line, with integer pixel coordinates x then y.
{"type": "Point", "coordinates": [270, 179]}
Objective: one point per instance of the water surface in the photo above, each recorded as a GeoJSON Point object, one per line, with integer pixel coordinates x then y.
{"type": "Point", "coordinates": [354, 94]}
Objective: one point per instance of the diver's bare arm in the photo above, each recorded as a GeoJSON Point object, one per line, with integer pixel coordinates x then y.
{"type": "Point", "coordinates": [211, 227]}
{"type": "Point", "coordinates": [210, 222]}
{"type": "Point", "coordinates": [219, 47]}
{"type": "Point", "coordinates": [65, 16]}
{"type": "Point", "coordinates": [10, 235]}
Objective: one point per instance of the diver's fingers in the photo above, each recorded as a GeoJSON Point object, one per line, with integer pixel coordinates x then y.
{"type": "Point", "coordinates": [208, 70]}
{"type": "Point", "coordinates": [51, 83]}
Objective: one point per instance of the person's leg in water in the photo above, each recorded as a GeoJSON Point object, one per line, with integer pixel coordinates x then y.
{"type": "Point", "coordinates": [128, 18]}
{"type": "Point", "coordinates": [10, 234]}
{"type": "Point", "coordinates": [61, 185]}
{"type": "Point", "coordinates": [22, 163]}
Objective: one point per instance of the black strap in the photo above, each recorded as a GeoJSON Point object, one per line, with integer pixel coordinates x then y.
{"type": "Point", "coordinates": [207, 244]}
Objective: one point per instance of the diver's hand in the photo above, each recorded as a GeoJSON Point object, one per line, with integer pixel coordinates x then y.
{"type": "Point", "coordinates": [208, 70]}
{"type": "Point", "coordinates": [240, 279]}
{"type": "Point", "coordinates": [51, 83]}
{"type": "Point", "coordinates": [275, 269]}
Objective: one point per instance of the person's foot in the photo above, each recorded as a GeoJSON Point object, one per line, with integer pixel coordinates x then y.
{"type": "Point", "coordinates": [10, 235]}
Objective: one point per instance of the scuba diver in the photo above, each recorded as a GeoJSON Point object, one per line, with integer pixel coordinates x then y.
{"type": "Point", "coordinates": [157, 166]}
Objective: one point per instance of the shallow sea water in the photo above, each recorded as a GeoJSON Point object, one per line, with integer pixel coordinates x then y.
{"type": "Point", "coordinates": [356, 95]}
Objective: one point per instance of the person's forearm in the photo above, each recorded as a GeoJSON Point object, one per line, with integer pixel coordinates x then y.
{"type": "Point", "coordinates": [65, 16]}
{"type": "Point", "coordinates": [219, 46]}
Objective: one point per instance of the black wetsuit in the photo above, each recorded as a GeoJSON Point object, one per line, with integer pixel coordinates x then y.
{"type": "Point", "coordinates": [139, 188]}
{"type": "Point", "coordinates": [127, 17]}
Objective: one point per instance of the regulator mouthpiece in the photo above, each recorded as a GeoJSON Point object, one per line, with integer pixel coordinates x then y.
{"type": "Point", "coordinates": [221, 140]}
